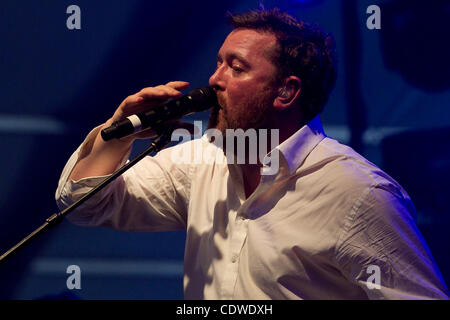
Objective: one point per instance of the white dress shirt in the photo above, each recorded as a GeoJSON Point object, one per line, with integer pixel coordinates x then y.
{"type": "Point", "coordinates": [328, 225]}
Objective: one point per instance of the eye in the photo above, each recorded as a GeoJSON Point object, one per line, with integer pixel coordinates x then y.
{"type": "Point", "coordinates": [237, 69]}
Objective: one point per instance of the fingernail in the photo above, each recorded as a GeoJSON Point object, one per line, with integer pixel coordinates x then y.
{"type": "Point", "coordinates": [139, 99]}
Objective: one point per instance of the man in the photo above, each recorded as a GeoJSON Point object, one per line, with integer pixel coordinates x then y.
{"type": "Point", "coordinates": [327, 224]}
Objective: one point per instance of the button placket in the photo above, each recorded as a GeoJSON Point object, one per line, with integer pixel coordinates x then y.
{"type": "Point", "coordinates": [236, 243]}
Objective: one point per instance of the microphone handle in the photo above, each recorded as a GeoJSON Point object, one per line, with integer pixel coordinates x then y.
{"type": "Point", "coordinates": [197, 100]}
{"type": "Point", "coordinates": [153, 118]}
{"type": "Point", "coordinates": [117, 130]}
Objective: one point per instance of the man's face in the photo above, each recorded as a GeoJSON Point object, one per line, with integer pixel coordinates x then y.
{"type": "Point", "coordinates": [244, 81]}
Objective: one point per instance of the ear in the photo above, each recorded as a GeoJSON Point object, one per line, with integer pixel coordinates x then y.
{"type": "Point", "coordinates": [288, 93]}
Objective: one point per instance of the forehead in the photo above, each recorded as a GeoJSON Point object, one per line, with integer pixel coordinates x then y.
{"type": "Point", "coordinates": [249, 43]}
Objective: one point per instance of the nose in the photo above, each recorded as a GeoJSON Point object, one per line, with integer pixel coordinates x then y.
{"type": "Point", "coordinates": [216, 80]}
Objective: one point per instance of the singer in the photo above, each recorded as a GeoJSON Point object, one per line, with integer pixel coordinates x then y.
{"type": "Point", "coordinates": [328, 224]}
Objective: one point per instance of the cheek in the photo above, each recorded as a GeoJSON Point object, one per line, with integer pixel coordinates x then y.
{"type": "Point", "coordinates": [239, 92]}
{"type": "Point", "coordinates": [235, 90]}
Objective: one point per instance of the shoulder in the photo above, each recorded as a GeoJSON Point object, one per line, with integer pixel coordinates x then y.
{"type": "Point", "coordinates": [369, 200]}
{"type": "Point", "coordinates": [353, 182]}
{"type": "Point", "coordinates": [349, 170]}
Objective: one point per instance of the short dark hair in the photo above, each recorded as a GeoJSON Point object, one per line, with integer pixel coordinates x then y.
{"type": "Point", "coordinates": [303, 50]}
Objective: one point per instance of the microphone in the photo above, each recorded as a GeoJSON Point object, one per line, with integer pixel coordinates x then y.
{"type": "Point", "coordinates": [197, 100]}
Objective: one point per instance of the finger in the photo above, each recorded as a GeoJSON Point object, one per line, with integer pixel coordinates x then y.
{"type": "Point", "coordinates": [158, 93]}
{"type": "Point", "coordinates": [133, 99]}
{"type": "Point", "coordinates": [139, 107]}
{"type": "Point", "coordinates": [150, 97]}
{"type": "Point", "coordinates": [136, 103]}
{"type": "Point", "coordinates": [130, 101]}
{"type": "Point", "coordinates": [178, 85]}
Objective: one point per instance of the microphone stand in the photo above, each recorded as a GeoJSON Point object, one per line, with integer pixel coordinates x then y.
{"type": "Point", "coordinates": [155, 146]}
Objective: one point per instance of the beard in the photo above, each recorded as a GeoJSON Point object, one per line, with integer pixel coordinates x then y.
{"type": "Point", "coordinates": [254, 113]}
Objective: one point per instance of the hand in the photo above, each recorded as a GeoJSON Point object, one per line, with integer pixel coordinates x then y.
{"type": "Point", "coordinates": [144, 100]}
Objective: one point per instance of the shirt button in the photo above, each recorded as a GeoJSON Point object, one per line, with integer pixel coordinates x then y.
{"type": "Point", "coordinates": [234, 258]}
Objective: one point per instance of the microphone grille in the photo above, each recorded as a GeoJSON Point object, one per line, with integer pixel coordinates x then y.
{"type": "Point", "coordinates": [203, 98]}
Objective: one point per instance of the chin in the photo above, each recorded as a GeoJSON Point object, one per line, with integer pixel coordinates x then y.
{"type": "Point", "coordinates": [221, 126]}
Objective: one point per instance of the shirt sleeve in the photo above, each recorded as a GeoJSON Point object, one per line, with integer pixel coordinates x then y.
{"type": "Point", "coordinates": [151, 196]}
{"type": "Point", "coordinates": [382, 250]}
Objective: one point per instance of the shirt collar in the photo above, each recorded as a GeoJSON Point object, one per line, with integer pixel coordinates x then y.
{"type": "Point", "coordinates": [296, 148]}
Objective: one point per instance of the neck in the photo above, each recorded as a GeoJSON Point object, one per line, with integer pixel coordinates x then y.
{"type": "Point", "coordinates": [286, 125]}
{"type": "Point", "coordinates": [251, 174]}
